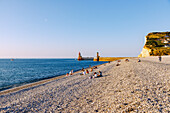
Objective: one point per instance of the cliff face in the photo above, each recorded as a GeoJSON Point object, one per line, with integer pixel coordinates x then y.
{"type": "Point", "coordinates": [145, 52]}
{"type": "Point", "coordinates": [156, 43]}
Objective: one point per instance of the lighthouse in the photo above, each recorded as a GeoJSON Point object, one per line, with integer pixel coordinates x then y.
{"type": "Point", "coordinates": [79, 57]}
{"type": "Point", "coordinates": [97, 57]}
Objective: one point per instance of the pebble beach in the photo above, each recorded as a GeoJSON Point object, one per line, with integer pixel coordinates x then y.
{"type": "Point", "coordinates": [129, 87]}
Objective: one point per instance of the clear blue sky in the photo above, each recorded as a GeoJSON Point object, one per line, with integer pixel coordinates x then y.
{"type": "Point", "coordinates": [62, 28]}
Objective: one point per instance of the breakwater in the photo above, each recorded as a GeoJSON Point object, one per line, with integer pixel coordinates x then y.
{"type": "Point", "coordinates": [98, 58]}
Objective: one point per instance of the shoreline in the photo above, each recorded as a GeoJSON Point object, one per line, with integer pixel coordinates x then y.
{"type": "Point", "coordinates": [46, 80]}
{"type": "Point", "coordinates": [131, 86]}
{"type": "Point", "coordinates": [39, 82]}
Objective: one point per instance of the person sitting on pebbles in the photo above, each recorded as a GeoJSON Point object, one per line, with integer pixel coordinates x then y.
{"type": "Point", "coordinates": [100, 74]}
{"type": "Point", "coordinates": [84, 72]}
{"type": "Point", "coordinates": [67, 74]}
{"type": "Point", "coordinates": [126, 60]}
{"type": "Point", "coordinates": [117, 64]}
{"type": "Point", "coordinates": [95, 75]}
{"type": "Point", "coordinates": [71, 72]}
{"type": "Point", "coordinates": [94, 67]}
{"type": "Point", "coordinates": [119, 61]}
{"type": "Point", "coordinates": [87, 72]}
{"type": "Point", "coordinates": [91, 69]}
{"type": "Point", "coordinates": [139, 60]}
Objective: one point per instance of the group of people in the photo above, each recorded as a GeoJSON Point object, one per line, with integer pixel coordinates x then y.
{"type": "Point", "coordinates": [94, 67]}
{"type": "Point", "coordinates": [118, 62]}
{"type": "Point", "coordinates": [70, 73]}
{"type": "Point", "coordinates": [95, 75]}
{"type": "Point", "coordinates": [86, 72]}
{"type": "Point", "coordinates": [99, 74]}
{"type": "Point", "coordinates": [127, 60]}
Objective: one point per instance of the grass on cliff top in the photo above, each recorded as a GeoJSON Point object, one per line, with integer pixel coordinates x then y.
{"type": "Point", "coordinates": [158, 35]}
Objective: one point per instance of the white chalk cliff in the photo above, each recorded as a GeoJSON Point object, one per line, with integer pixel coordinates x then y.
{"type": "Point", "coordinates": [145, 51]}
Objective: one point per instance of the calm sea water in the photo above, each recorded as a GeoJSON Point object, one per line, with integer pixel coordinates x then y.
{"type": "Point", "coordinates": [22, 71]}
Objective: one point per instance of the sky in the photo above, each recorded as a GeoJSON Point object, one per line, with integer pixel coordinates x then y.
{"type": "Point", "coordinates": [62, 28]}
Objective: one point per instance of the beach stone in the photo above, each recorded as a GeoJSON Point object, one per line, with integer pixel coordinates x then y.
{"type": "Point", "coordinates": [125, 104]}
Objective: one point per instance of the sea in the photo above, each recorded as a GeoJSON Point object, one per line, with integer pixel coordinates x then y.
{"type": "Point", "coordinates": [23, 71]}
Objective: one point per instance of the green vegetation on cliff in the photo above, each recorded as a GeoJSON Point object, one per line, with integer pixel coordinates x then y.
{"type": "Point", "coordinates": [158, 35]}
{"type": "Point", "coordinates": [158, 43]}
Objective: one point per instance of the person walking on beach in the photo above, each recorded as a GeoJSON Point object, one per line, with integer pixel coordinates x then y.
{"type": "Point", "coordinates": [160, 58]}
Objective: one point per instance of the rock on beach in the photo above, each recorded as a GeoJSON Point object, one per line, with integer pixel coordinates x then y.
{"type": "Point", "coordinates": [130, 87]}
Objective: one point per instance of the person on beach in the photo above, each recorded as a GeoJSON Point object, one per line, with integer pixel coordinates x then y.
{"type": "Point", "coordinates": [126, 60]}
{"type": "Point", "coordinates": [67, 74]}
{"type": "Point", "coordinates": [139, 60]}
{"type": "Point", "coordinates": [95, 67]}
{"type": "Point", "coordinates": [100, 74]}
{"type": "Point", "coordinates": [87, 72]}
{"type": "Point", "coordinates": [82, 69]}
{"type": "Point", "coordinates": [95, 75]}
{"type": "Point", "coordinates": [71, 72]}
{"type": "Point", "coordinates": [91, 69]}
{"type": "Point", "coordinates": [90, 77]}
{"type": "Point", "coordinates": [117, 64]}
{"type": "Point", "coordinates": [160, 58]}
{"type": "Point", "coordinates": [84, 72]}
